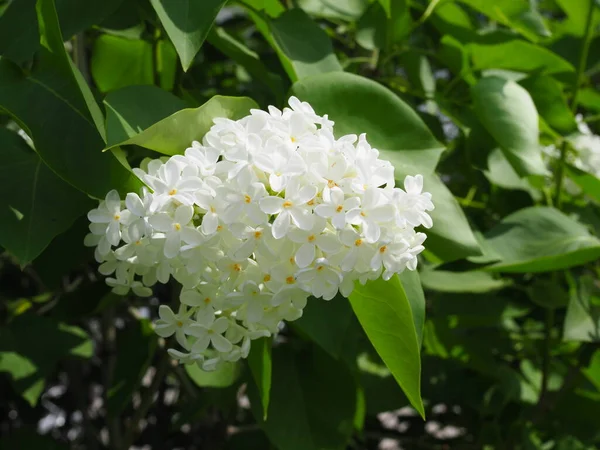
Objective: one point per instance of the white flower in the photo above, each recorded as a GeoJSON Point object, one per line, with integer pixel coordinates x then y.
{"type": "Point", "coordinates": [266, 212]}
{"type": "Point", "coordinates": [291, 209]}
{"type": "Point", "coordinates": [109, 212]}
{"type": "Point", "coordinates": [173, 227]}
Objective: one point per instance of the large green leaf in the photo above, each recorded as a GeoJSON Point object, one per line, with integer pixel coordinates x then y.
{"type": "Point", "coordinates": [508, 113]}
{"type": "Point", "coordinates": [317, 325]}
{"type": "Point", "coordinates": [524, 57]}
{"type": "Point", "coordinates": [132, 109]}
{"type": "Point", "coordinates": [540, 239]}
{"type": "Point", "coordinates": [135, 349]}
{"type": "Point", "coordinates": [302, 45]}
{"type": "Point", "coordinates": [175, 133]}
{"type": "Point", "coordinates": [582, 322]}
{"type": "Point", "coordinates": [118, 62]}
{"type": "Point", "coordinates": [359, 105]}
{"type": "Point", "coordinates": [19, 42]}
{"type": "Point", "coordinates": [313, 401]}
{"type": "Point", "coordinates": [32, 345]}
{"type": "Point", "coordinates": [29, 216]}
{"type": "Point", "coordinates": [261, 367]}
{"type": "Point", "coordinates": [187, 23]}
{"type": "Point", "coordinates": [384, 312]}
{"type": "Point", "coordinates": [411, 282]}
{"type": "Point", "coordinates": [49, 103]}
{"type": "Point", "coordinates": [550, 102]}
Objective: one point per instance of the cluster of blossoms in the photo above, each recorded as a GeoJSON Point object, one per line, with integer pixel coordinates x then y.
{"type": "Point", "coordinates": [267, 211]}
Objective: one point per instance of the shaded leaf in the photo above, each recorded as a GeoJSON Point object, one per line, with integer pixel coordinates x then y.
{"type": "Point", "coordinates": [29, 218]}
{"type": "Point", "coordinates": [187, 22]}
{"type": "Point", "coordinates": [302, 45]}
{"type": "Point", "coordinates": [54, 112]}
{"type": "Point", "coordinates": [32, 345]}
{"type": "Point", "coordinates": [313, 401]}
{"type": "Point", "coordinates": [131, 110]}
{"type": "Point", "coordinates": [118, 62]}
{"type": "Point", "coordinates": [317, 325]}
{"type": "Point", "coordinates": [588, 183]}
{"type": "Point", "coordinates": [135, 349]}
{"type": "Point", "coordinates": [260, 363]}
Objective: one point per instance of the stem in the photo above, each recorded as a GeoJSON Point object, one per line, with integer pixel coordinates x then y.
{"type": "Point", "coordinates": [546, 361]}
{"type": "Point", "coordinates": [109, 332]}
{"type": "Point", "coordinates": [146, 402]}
{"type": "Point", "coordinates": [585, 49]}
{"type": "Point", "coordinates": [425, 15]}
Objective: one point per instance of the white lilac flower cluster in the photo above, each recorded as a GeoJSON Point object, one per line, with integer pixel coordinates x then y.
{"type": "Point", "coordinates": [265, 212]}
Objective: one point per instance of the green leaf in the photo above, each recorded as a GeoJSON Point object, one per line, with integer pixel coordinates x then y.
{"type": "Point", "coordinates": [384, 312]}
{"type": "Point", "coordinates": [175, 133]}
{"type": "Point", "coordinates": [131, 110]}
{"type": "Point", "coordinates": [379, 28]}
{"type": "Point", "coordinates": [348, 10]}
{"type": "Point", "coordinates": [459, 282]}
{"type": "Point", "coordinates": [166, 64]}
{"type": "Point", "coordinates": [302, 46]}
{"type": "Point", "coordinates": [49, 104]}
{"type": "Point", "coordinates": [508, 113]}
{"type": "Point", "coordinates": [27, 438]}
{"type": "Point", "coordinates": [547, 294]}
{"type": "Point", "coordinates": [250, 60]}
{"type": "Point", "coordinates": [118, 62]}
{"type": "Point", "coordinates": [30, 359]}
{"type": "Point", "coordinates": [519, 15]}
{"type": "Point", "coordinates": [540, 239]}
{"type": "Point", "coordinates": [135, 349]}
{"type": "Point", "coordinates": [411, 282]}
{"type": "Point", "coordinates": [588, 183]}
{"type": "Point", "coordinates": [260, 363]}
{"type": "Point", "coordinates": [317, 325]}
{"type": "Point", "coordinates": [502, 174]}
{"type": "Point", "coordinates": [550, 102]}
{"type": "Point", "coordinates": [19, 43]}
{"type": "Point", "coordinates": [313, 401]}
{"type": "Point", "coordinates": [224, 376]}
{"type": "Point", "coordinates": [29, 217]}
{"type": "Point", "coordinates": [582, 322]}
{"type": "Point", "coordinates": [524, 56]}
{"type": "Point", "coordinates": [589, 98]}
{"type": "Point", "coordinates": [359, 105]}
{"type": "Point", "coordinates": [187, 22]}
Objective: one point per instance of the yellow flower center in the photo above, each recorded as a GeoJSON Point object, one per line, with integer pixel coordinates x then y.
{"type": "Point", "coordinates": [319, 268]}
{"type": "Point", "coordinates": [287, 204]}
{"type": "Point", "coordinates": [339, 208]}
{"type": "Point", "coordinates": [117, 217]}
{"type": "Point", "coordinates": [311, 238]}
{"type": "Point", "coordinates": [179, 323]}
{"type": "Point", "coordinates": [207, 300]}
{"type": "Point", "coordinates": [266, 278]}
{"type": "Point", "coordinates": [382, 249]}
{"type": "Point", "coordinates": [290, 280]}
{"type": "Point", "coordinates": [177, 226]}
{"type": "Point", "coordinates": [257, 234]}
{"type": "Point", "coordinates": [358, 242]}
{"type": "Point", "coordinates": [247, 198]}
{"type": "Point", "coordinates": [173, 192]}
